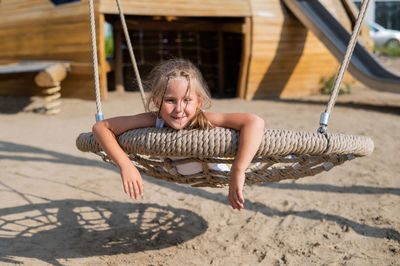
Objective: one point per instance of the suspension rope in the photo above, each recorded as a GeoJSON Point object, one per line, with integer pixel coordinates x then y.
{"type": "Point", "coordinates": [99, 114]}
{"type": "Point", "coordinates": [343, 67]}
{"type": "Point", "coordinates": [132, 55]}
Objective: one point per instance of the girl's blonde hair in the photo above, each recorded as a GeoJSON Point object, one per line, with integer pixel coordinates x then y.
{"type": "Point", "coordinates": [158, 80]}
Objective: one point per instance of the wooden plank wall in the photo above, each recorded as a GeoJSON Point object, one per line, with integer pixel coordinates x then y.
{"type": "Point", "coordinates": [194, 8]}
{"type": "Point", "coordinates": [287, 59]}
{"type": "Point", "coordinates": [39, 30]}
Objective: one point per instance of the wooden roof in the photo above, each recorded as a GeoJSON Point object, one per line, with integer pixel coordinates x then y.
{"type": "Point", "coordinates": [204, 8]}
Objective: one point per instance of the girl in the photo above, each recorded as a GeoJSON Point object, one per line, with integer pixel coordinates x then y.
{"type": "Point", "coordinates": [178, 97]}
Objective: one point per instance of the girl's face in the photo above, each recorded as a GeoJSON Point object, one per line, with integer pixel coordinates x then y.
{"type": "Point", "coordinates": [180, 104]}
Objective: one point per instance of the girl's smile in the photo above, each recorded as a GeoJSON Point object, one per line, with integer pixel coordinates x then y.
{"type": "Point", "coordinates": [178, 118]}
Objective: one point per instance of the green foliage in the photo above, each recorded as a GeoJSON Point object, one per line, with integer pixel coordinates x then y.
{"type": "Point", "coordinates": [327, 86]}
{"type": "Point", "coordinates": [388, 50]}
{"type": "Point", "coordinates": [109, 46]}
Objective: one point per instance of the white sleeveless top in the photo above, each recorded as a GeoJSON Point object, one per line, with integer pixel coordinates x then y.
{"type": "Point", "coordinates": [193, 167]}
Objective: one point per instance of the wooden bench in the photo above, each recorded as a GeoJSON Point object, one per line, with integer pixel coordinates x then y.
{"type": "Point", "coordinates": [47, 75]}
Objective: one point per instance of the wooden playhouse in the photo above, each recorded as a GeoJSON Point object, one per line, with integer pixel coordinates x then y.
{"type": "Point", "coordinates": [245, 48]}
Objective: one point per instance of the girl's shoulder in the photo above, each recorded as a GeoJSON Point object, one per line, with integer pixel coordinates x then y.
{"type": "Point", "coordinates": [218, 119]}
{"type": "Point", "coordinates": [215, 117]}
{"type": "Point", "coordinates": [229, 120]}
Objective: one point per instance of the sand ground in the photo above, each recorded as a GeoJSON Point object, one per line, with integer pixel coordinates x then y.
{"type": "Point", "coordinates": [60, 206]}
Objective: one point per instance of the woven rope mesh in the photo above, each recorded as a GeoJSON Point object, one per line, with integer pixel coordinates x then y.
{"type": "Point", "coordinates": [282, 154]}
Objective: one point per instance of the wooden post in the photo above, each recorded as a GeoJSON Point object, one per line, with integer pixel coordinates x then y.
{"type": "Point", "coordinates": [351, 11]}
{"type": "Point", "coordinates": [50, 80]}
{"type": "Point", "coordinates": [221, 71]}
{"type": "Point", "coordinates": [51, 76]}
{"type": "Point", "coordinates": [118, 59]}
{"type": "Point", "coordinates": [103, 66]}
{"type": "Point", "coordinates": [245, 60]}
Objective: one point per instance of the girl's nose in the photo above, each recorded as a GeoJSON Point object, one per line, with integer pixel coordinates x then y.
{"type": "Point", "coordinates": [178, 107]}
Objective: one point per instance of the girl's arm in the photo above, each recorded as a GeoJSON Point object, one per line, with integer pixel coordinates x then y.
{"type": "Point", "coordinates": [251, 129]}
{"type": "Point", "coordinates": [105, 132]}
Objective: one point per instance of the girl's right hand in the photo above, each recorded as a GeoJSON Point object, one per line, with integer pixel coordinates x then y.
{"type": "Point", "coordinates": [236, 184]}
{"type": "Point", "coordinates": [132, 181]}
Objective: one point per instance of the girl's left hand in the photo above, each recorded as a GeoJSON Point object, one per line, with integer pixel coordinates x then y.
{"type": "Point", "coordinates": [235, 196]}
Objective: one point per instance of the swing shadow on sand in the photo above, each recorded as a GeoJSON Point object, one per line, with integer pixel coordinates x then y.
{"type": "Point", "coordinates": [108, 227]}
{"type": "Point", "coordinates": [64, 229]}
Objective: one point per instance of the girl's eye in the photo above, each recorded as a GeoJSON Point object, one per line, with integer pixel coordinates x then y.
{"type": "Point", "coordinates": [169, 100]}
{"type": "Point", "coordinates": [188, 100]}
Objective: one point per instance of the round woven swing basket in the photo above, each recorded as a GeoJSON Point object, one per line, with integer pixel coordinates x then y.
{"type": "Point", "coordinates": [283, 154]}
{"type": "Point", "coordinates": [223, 142]}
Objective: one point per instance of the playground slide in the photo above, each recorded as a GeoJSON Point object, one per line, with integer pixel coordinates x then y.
{"type": "Point", "coordinates": [363, 65]}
